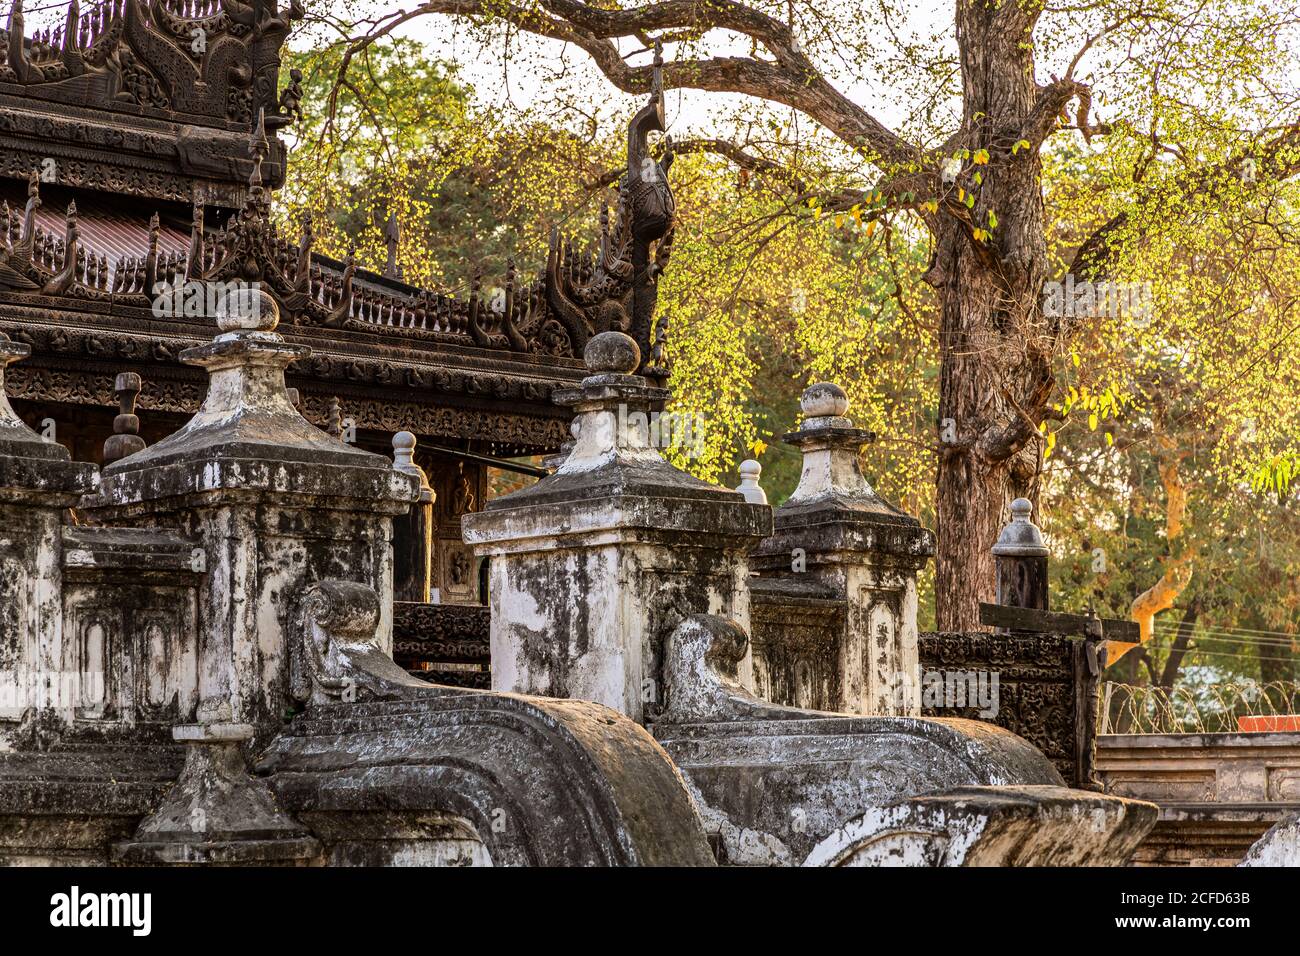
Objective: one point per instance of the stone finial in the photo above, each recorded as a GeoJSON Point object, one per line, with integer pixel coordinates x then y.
{"type": "Point", "coordinates": [216, 812]}
{"type": "Point", "coordinates": [404, 453]}
{"type": "Point", "coordinates": [413, 532]}
{"type": "Point", "coordinates": [125, 439]}
{"type": "Point", "coordinates": [615, 408]}
{"type": "Point", "coordinates": [612, 353]}
{"type": "Point", "coordinates": [830, 446]}
{"type": "Point", "coordinates": [246, 414]}
{"type": "Point", "coordinates": [247, 308]}
{"type": "Point", "coordinates": [750, 470]}
{"type": "Point", "coordinates": [404, 461]}
{"type": "Point", "coordinates": [1020, 561]}
{"type": "Point", "coordinates": [835, 536]}
{"type": "Point", "coordinates": [610, 529]}
{"type": "Point", "coordinates": [824, 400]}
{"type": "Point", "coordinates": [248, 450]}
{"type": "Point", "coordinates": [1021, 538]}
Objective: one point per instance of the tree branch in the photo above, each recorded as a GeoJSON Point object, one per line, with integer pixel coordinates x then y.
{"type": "Point", "coordinates": [790, 78]}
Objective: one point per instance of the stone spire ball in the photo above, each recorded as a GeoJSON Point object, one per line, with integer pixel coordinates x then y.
{"type": "Point", "coordinates": [824, 400]}
{"type": "Point", "coordinates": [403, 450]}
{"type": "Point", "coordinates": [247, 308]}
{"type": "Point", "coordinates": [612, 352]}
{"type": "Point", "coordinates": [1021, 537]}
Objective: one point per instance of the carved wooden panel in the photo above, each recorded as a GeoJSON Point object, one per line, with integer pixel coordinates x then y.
{"type": "Point", "coordinates": [1037, 688]}
{"type": "Point", "coordinates": [460, 488]}
{"type": "Point", "coordinates": [445, 643]}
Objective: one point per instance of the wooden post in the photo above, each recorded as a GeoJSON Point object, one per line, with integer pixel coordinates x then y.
{"type": "Point", "coordinates": [412, 532]}
{"type": "Point", "coordinates": [125, 439]}
{"type": "Point", "coordinates": [1021, 561]}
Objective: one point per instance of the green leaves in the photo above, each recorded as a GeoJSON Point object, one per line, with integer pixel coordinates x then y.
{"type": "Point", "coordinates": [1275, 474]}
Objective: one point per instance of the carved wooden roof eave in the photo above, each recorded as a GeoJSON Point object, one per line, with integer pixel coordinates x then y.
{"type": "Point", "coordinates": [109, 318]}
{"type": "Point", "coordinates": [453, 393]}
{"type": "Point", "coordinates": [386, 336]}
{"type": "Point", "coordinates": [157, 159]}
{"type": "Point", "coordinates": [133, 84]}
{"type": "Point", "coordinates": [177, 392]}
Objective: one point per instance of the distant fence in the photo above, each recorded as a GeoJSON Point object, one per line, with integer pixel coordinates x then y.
{"type": "Point", "coordinates": [1195, 709]}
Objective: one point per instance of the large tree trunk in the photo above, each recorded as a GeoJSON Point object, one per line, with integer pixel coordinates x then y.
{"type": "Point", "coordinates": [1178, 649]}
{"type": "Point", "coordinates": [994, 344]}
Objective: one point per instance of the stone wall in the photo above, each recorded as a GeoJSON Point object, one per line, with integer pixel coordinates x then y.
{"type": "Point", "coordinates": [1218, 793]}
{"type": "Point", "coordinates": [234, 583]}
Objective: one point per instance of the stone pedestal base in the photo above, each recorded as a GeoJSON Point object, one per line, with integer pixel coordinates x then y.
{"type": "Point", "coordinates": [217, 814]}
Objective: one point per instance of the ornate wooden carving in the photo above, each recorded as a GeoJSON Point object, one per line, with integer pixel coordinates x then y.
{"type": "Point", "coordinates": [429, 637]}
{"type": "Point", "coordinates": [615, 286]}
{"type": "Point", "coordinates": [1044, 686]}
{"type": "Point", "coordinates": [209, 61]}
{"type": "Point", "coordinates": [176, 101]}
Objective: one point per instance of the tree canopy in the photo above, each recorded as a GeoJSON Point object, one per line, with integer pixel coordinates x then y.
{"type": "Point", "coordinates": [1049, 249]}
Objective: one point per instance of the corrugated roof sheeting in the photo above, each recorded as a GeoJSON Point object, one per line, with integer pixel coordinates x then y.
{"type": "Point", "coordinates": [103, 227]}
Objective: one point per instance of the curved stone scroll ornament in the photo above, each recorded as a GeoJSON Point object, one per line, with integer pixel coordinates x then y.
{"type": "Point", "coordinates": [992, 826]}
{"type": "Point", "coordinates": [339, 657]}
{"type": "Point", "coordinates": [701, 673]}
{"type": "Point", "coordinates": [822, 772]}
{"type": "Point", "coordinates": [541, 782]}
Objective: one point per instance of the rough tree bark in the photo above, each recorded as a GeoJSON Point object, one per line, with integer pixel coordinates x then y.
{"type": "Point", "coordinates": [995, 372]}
{"type": "Point", "coordinates": [1178, 649]}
